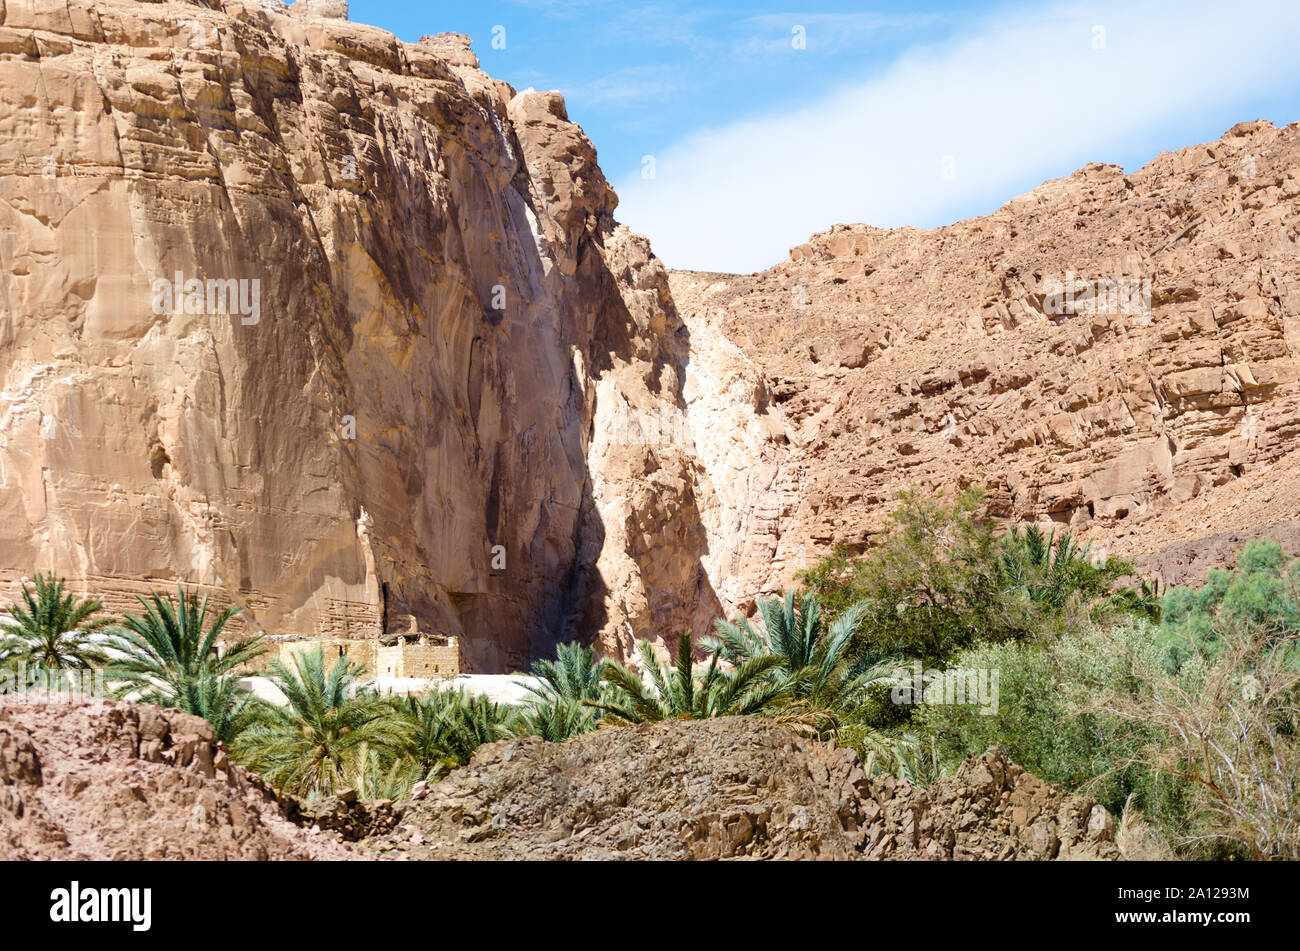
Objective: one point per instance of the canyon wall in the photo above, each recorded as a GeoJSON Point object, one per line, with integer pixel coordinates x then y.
{"type": "Point", "coordinates": [1113, 353]}
{"type": "Point", "coordinates": [333, 327]}
{"type": "Point", "coordinates": [341, 330]}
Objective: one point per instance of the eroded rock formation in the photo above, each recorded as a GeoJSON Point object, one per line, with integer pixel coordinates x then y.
{"type": "Point", "coordinates": [737, 787]}
{"type": "Point", "coordinates": [342, 330]}
{"type": "Point", "coordinates": [332, 326]}
{"type": "Point", "coordinates": [128, 782]}
{"type": "Point", "coordinates": [1114, 353]}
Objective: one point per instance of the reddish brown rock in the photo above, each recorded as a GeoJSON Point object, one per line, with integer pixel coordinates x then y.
{"type": "Point", "coordinates": [136, 783]}
{"type": "Point", "coordinates": [736, 787]}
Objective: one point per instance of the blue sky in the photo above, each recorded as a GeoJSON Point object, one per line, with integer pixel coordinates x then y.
{"type": "Point", "coordinates": [889, 113]}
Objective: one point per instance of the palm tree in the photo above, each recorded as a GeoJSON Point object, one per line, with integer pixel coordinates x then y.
{"type": "Point", "coordinates": [556, 719]}
{"type": "Point", "coordinates": [1143, 600]}
{"type": "Point", "coordinates": [1054, 573]}
{"type": "Point", "coordinates": [52, 630]}
{"type": "Point", "coordinates": [379, 776]}
{"type": "Point", "coordinates": [675, 692]}
{"type": "Point", "coordinates": [168, 656]}
{"type": "Point", "coordinates": [824, 682]}
{"type": "Point", "coordinates": [556, 711]}
{"type": "Point", "coordinates": [219, 700]}
{"type": "Point", "coordinates": [575, 674]}
{"type": "Point", "coordinates": [316, 745]}
{"type": "Point", "coordinates": [446, 727]}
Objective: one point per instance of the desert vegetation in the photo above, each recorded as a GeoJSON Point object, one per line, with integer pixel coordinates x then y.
{"type": "Point", "coordinates": [1175, 710]}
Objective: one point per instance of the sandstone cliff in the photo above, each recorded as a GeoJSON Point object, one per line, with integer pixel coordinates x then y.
{"type": "Point", "coordinates": [335, 327]}
{"type": "Point", "coordinates": [1113, 353]}
{"type": "Point", "coordinates": [342, 330]}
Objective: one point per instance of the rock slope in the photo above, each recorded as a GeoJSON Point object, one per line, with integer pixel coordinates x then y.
{"type": "Point", "coordinates": [740, 787]}
{"type": "Point", "coordinates": [1112, 353]}
{"type": "Point", "coordinates": [135, 783]}
{"type": "Point", "coordinates": [333, 327]}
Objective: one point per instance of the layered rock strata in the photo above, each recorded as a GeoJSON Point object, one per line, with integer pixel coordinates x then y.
{"type": "Point", "coordinates": [1113, 353]}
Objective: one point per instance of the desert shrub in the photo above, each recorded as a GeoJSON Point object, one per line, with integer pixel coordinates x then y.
{"type": "Point", "coordinates": [940, 580]}
{"type": "Point", "coordinates": [1263, 592]}
{"type": "Point", "coordinates": [1043, 723]}
{"type": "Point", "coordinates": [1226, 723]}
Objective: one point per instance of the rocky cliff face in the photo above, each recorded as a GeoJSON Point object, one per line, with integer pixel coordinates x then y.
{"type": "Point", "coordinates": [334, 327]}
{"type": "Point", "coordinates": [341, 330]}
{"type": "Point", "coordinates": [1113, 353]}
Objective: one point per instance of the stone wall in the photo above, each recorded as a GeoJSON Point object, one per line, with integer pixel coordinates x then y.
{"type": "Point", "coordinates": [422, 658]}
{"type": "Point", "coordinates": [427, 657]}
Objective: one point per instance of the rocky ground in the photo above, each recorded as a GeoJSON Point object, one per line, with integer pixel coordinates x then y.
{"type": "Point", "coordinates": [130, 782]}
{"type": "Point", "coordinates": [734, 788]}
{"type": "Point", "coordinates": [134, 782]}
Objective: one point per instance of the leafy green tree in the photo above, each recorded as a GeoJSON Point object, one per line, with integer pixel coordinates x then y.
{"type": "Point", "coordinates": [931, 582]}
{"type": "Point", "coordinates": [940, 580]}
{"type": "Point", "coordinates": [676, 692]}
{"type": "Point", "coordinates": [317, 745]}
{"type": "Point", "coordinates": [53, 630]}
{"type": "Point", "coordinates": [170, 654]}
{"type": "Point", "coordinates": [1262, 594]}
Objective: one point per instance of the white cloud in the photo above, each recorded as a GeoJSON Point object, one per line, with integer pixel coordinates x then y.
{"type": "Point", "coordinates": [1023, 93]}
{"type": "Point", "coordinates": [825, 33]}
{"type": "Point", "coordinates": [624, 87]}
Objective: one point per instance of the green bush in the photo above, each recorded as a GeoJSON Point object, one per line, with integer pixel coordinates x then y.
{"type": "Point", "coordinates": [1043, 721]}
{"type": "Point", "coordinates": [1263, 593]}
{"type": "Point", "coordinates": [941, 580]}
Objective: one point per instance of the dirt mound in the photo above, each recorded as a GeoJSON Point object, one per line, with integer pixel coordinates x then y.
{"type": "Point", "coordinates": [733, 788]}
{"type": "Point", "coordinates": [131, 782]}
